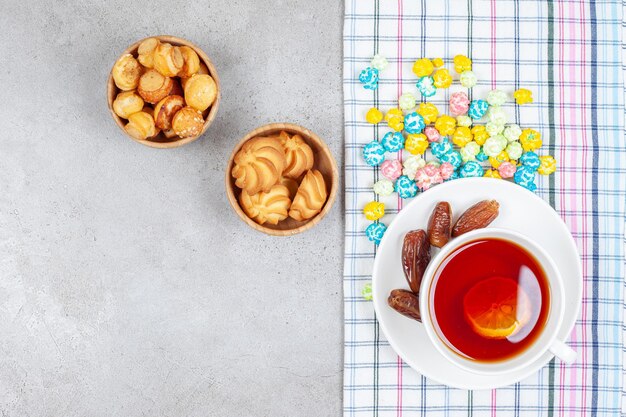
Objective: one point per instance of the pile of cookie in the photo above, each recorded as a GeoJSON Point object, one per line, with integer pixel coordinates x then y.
{"type": "Point", "coordinates": [277, 179]}
{"type": "Point", "coordinates": [164, 88]}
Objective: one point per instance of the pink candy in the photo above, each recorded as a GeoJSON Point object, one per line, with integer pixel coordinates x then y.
{"type": "Point", "coordinates": [391, 168]}
{"type": "Point", "coordinates": [507, 169]}
{"type": "Point", "coordinates": [446, 169]}
{"type": "Point", "coordinates": [431, 133]}
{"type": "Point", "coordinates": [428, 176]}
{"type": "Point", "coordinates": [459, 103]}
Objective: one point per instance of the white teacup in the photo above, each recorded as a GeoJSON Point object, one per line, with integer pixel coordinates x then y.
{"type": "Point", "coordinates": [546, 341]}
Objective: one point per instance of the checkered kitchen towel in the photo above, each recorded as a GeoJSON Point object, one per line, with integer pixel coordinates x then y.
{"type": "Point", "coordinates": [569, 54]}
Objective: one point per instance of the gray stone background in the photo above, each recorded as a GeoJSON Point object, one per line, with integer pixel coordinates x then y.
{"type": "Point", "coordinates": [128, 286]}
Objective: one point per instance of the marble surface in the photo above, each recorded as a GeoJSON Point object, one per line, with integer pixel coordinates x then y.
{"type": "Point", "coordinates": [128, 286]}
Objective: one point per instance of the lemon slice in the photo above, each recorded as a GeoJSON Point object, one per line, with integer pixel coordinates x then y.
{"type": "Point", "coordinates": [497, 307]}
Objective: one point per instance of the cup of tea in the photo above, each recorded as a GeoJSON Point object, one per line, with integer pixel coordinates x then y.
{"type": "Point", "coordinates": [492, 301]}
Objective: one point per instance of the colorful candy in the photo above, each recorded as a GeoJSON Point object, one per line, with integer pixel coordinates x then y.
{"type": "Point", "coordinates": [442, 78]}
{"type": "Point", "coordinates": [439, 149]}
{"type": "Point", "coordinates": [493, 146]}
{"type": "Point", "coordinates": [375, 232]}
{"type": "Point", "coordinates": [429, 112]}
{"type": "Point", "coordinates": [523, 96]}
{"type": "Point", "coordinates": [530, 140]}
{"type": "Point", "coordinates": [414, 123]}
{"type": "Point", "coordinates": [446, 170]}
{"type": "Point", "coordinates": [395, 119]}
{"type": "Point", "coordinates": [477, 109]}
{"type": "Point", "coordinates": [406, 101]}
{"type": "Point", "coordinates": [379, 62]}
{"type": "Point", "coordinates": [373, 153]}
{"type": "Point", "coordinates": [391, 168]}
{"type": "Point", "coordinates": [454, 158]}
{"type": "Point", "coordinates": [423, 67]}
{"type": "Point", "coordinates": [405, 187]}
{"type": "Point", "coordinates": [497, 160]}
{"type": "Point", "coordinates": [412, 164]}
{"type": "Point", "coordinates": [512, 132]}
{"type": "Point", "coordinates": [462, 64]}
{"type": "Point", "coordinates": [514, 150]}
{"type": "Point", "coordinates": [374, 116]}
{"type": "Point", "coordinates": [393, 142]}
{"type": "Point", "coordinates": [494, 128]}
{"type": "Point", "coordinates": [492, 173]}
{"type": "Point", "coordinates": [446, 125]}
{"type": "Point", "coordinates": [497, 115]}
{"type": "Point", "coordinates": [481, 156]}
{"type": "Point", "coordinates": [507, 169]}
{"type": "Point", "coordinates": [428, 176]}
{"type": "Point", "coordinates": [426, 86]}
{"type": "Point", "coordinates": [496, 97]}
{"type": "Point", "coordinates": [525, 177]}
{"type": "Point", "coordinates": [462, 136]}
{"type": "Point", "coordinates": [416, 143]}
{"type": "Point", "coordinates": [438, 62]}
{"type": "Point", "coordinates": [383, 187]}
{"type": "Point", "coordinates": [374, 210]}
{"type": "Point", "coordinates": [480, 134]}
{"type": "Point", "coordinates": [369, 78]}
{"type": "Point", "coordinates": [468, 79]}
{"type": "Point", "coordinates": [548, 165]}
{"type": "Point", "coordinates": [464, 121]}
{"type": "Point", "coordinates": [459, 103]}
{"type": "Point", "coordinates": [471, 169]}
{"type": "Point", "coordinates": [432, 134]}
{"type": "Point", "coordinates": [530, 160]}
{"type": "Point", "coordinates": [469, 151]}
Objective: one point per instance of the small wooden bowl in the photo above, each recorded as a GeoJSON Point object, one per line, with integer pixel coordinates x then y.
{"type": "Point", "coordinates": [324, 162]}
{"type": "Point", "coordinates": [160, 141]}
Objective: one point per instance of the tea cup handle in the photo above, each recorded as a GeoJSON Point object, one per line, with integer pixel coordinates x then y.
{"type": "Point", "coordinates": [563, 352]}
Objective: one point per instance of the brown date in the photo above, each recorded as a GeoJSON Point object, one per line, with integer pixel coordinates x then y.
{"type": "Point", "coordinates": [478, 216]}
{"type": "Point", "coordinates": [415, 257]}
{"type": "Point", "coordinates": [406, 303]}
{"type": "Point", "coordinates": [439, 224]}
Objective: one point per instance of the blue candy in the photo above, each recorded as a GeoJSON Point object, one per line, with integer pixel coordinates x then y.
{"type": "Point", "coordinates": [439, 149]}
{"type": "Point", "coordinates": [393, 142]}
{"type": "Point", "coordinates": [405, 187]}
{"type": "Point", "coordinates": [414, 123]}
{"type": "Point", "coordinates": [529, 185]}
{"type": "Point", "coordinates": [472, 169]}
{"type": "Point", "coordinates": [524, 176]}
{"type": "Point", "coordinates": [453, 157]}
{"type": "Point", "coordinates": [426, 86]}
{"type": "Point", "coordinates": [530, 160]}
{"type": "Point", "coordinates": [369, 78]}
{"type": "Point", "coordinates": [375, 232]}
{"type": "Point", "coordinates": [373, 153]}
{"type": "Point", "coordinates": [481, 156]}
{"type": "Point", "coordinates": [477, 109]}
{"type": "Point", "coordinates": [454, 176]}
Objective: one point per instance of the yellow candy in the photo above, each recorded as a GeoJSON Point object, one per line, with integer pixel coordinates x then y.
{"type": "Point", "coordinates": [429, 112]}
{"type": "Point", "coordinates": [374, 210]}
{"type": "Point", "coordinates": [374, 116]}
{"type": "Point", "coordinates": [445, 125]}
{"type": "Point", "coordinates": [498, 160]}
{"type": "Point", "coordinates": [442, 78]}
{"type": "Point", "coordinates": [438, 62]}
{"type": "Point", "coordinates": [395, 119]}
{"type": "Point", "coordinates": [548, 165]}
{"type": "Point", "coordinates": [530, 140]}
{"type": "Point", "coordinates": [462, 63]}
{"type": "Point", "coordinates": [523, 96]}
{"type": "Point", "coordinates": [423, 67]}
{"type": "Point", "coordinates": [462, 136]}
{"type": "Point", "coordinates": [492, 173]}
{"type": "Point", "coordinates": [416, 143]}
{"type": "Point", "coordinates": [480, 134]}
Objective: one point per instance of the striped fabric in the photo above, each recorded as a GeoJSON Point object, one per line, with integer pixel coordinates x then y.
{"type": "Point", "coordinates": [569, 54]}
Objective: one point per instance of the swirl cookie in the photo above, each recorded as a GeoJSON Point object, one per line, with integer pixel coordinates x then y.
{"type": "Point", "coordinates": [298, 154]}
{"type": "Point", "coordinates": [266, 207]}
{"type": "Point", "coordinates": [310, 197]}
{"type": "Point", "coordinates": [259, 164]}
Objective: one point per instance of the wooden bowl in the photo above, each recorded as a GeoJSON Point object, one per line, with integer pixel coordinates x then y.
{"type": "Point", "coordinates": [160, 141]}
{"type": "Point", "coordinates": [324, 162]}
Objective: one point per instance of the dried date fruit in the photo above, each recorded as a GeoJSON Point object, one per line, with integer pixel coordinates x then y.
{"type": "Point", "coordinates": [439, 224]}
{"type": "Point", "coordinates": [406, 303]}
{"type": "Point", "coordinates": [415, 257]}
{"type": "Point", "coordinates": [478, 216]}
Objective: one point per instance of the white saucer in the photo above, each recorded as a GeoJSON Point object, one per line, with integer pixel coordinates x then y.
{"type": "Point", "coordinates": [520, 210]}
